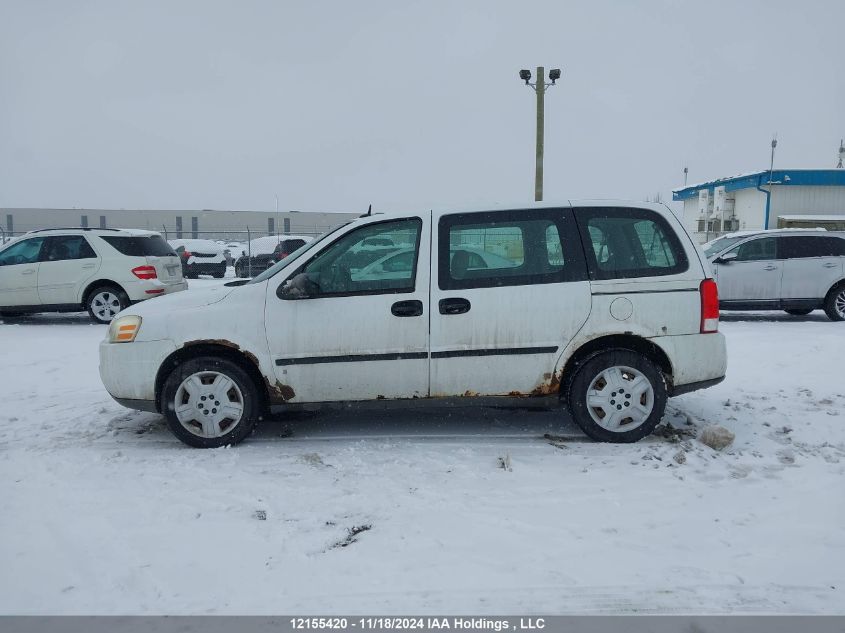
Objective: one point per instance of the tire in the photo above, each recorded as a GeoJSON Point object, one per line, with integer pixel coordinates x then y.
{"type": "Point", "coordinates": [798, 311]}
{"type": "Point", "coordinates": [609, 375]}
{"type": "Point", "coordinates": [104, 302]}
{"type": "Point", "coordinates": [199, 385]}
{"type": "Point", "coordinates": [239, 271]}
{"type": "Point", "coordinates": [220, 274]}
{"type": "Point", "coordinates": [834, 303]}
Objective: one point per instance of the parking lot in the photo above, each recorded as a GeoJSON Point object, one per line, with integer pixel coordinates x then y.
{"type": "Point", "coordinates": [427, 509]}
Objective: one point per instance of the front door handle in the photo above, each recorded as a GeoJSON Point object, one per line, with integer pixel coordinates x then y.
{"type": "Point", "coordinates": [28, 272]}
{"type": "Point", "coordinates": [454, 305]}
{"type": "Point", "coordinates": [410, 308]}
{"type": "Point", "coordinates": [830, 265]}
{"type": "Point", "coordinates": [770, 268]}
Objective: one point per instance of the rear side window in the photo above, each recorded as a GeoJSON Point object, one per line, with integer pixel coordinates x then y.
{"type": "Point", "coordinates": [803, 246]}
{"type": "Point", "coordinates": [622, 243]}
{"type": "Point", "coordinates": [68, 247]}
{"type": "Point", "coordinates": [508, 248]}
{"type": "Point", "coordinates": [140, 246]}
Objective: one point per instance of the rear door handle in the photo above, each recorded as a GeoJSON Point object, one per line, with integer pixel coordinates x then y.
{"type": "Point", "coordinates": [28, 272]}
{"type": "Point", "coordinates": [410, 308]}
{"type": "Point", "coordinates": [770, 268]}
{"type": "Point", "coordinates": [831, 265]}
{"type": "Point", "coordinates": [89, 266]}
{"type": "Point", "coordinates": [454, 305]}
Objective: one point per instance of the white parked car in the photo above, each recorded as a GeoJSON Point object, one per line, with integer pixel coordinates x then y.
{"type": "Point", "coordinates": [610, 330]}
{"type": "Point", "coordinates": [200, 257]}
{"type": "Point", "coordinates": [793, 270]}
{"type": "Point", "coordinates": [99, 270]}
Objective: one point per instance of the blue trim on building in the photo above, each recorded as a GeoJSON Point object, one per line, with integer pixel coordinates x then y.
{"type": "Point", "coordinates": [780, 177]}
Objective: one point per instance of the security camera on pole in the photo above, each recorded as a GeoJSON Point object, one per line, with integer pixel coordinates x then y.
{"type": "Point", "coordinates": [539, 87]}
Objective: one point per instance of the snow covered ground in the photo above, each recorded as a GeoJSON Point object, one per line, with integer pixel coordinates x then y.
{"type": "Point", "coordinates": [102, 511]}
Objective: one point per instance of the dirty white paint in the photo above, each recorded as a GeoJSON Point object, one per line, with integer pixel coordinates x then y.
{"type": "Point", "coordinates": [279, 334]}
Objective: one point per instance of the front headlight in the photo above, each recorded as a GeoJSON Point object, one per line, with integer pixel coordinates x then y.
{"type": "Point", "coordinates": [124, 329]}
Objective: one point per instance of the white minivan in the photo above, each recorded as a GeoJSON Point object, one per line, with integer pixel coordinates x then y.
{"type": "Point", "coordinates": [606, 307]}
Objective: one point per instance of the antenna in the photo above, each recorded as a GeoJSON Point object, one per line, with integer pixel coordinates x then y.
{"type": "Point", "coordinates": [686, 171]}
{"type": "Point", "coordinates": [841, 154]}
{"type": "Point", "coordinates": [772, 163]}
{"type": "Point", "coordinates": [370, 210]}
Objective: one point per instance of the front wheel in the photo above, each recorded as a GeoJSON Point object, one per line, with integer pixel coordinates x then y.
{"type": "Point", "coordinates": [834, 303]}
{"type": "Point", "coordinates": [617, 396]}
{"type": "Point", "coordinates": [210, 402]}
{"type": "Point", "coordinates": [105, 302]}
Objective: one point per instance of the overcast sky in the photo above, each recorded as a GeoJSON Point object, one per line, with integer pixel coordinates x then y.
{"type": "Point", "coordinates": [334, 105]}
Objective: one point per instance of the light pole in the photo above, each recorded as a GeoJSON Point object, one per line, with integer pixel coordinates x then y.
{"type": "Point", "coordinates": [539, 87]}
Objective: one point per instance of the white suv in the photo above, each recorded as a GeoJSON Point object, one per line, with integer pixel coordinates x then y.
{"type": "Point", "coordinates": [99, 270]}
{"type": "Point", "coordinates": [606, 307]}
{"type": "Point", "coordinates": [795, 270]}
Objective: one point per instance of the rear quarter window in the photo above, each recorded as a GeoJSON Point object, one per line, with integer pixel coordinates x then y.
{"type": "Point", "coordinates": [623, 243]}
{"type": "Point", "coordinates": [139, 246]}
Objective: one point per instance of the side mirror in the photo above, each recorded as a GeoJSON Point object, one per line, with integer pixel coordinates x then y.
{"type": "Point", "coordinates": [727, 258]}
{"type": "Point", "coordinates": [298, 287]}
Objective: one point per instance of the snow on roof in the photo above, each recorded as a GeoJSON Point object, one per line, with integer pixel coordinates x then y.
{"type": "Point", "coordinates": [815, 218]}
{"type": "Point", "coordinates": [195, 244]}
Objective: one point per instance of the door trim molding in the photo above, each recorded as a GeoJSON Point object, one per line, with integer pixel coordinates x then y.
{"type": "Point", "coordinates": [351, 358]}
{"type": "Point", "coordinates": [456, 353]}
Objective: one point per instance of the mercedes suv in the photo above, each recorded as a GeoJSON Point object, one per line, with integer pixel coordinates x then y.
{"type": "Point", "coordinates": [102, 271]}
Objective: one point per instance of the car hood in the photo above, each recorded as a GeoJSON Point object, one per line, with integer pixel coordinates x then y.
{"type": "Point", "coordinates": [182, 300]}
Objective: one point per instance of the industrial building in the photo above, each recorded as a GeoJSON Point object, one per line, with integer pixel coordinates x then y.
{"type": "Point", "coordinates": [805, 198]}
{"type": "Point", "coordinates": [207, 224]}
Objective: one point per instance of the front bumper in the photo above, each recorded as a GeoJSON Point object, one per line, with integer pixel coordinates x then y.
{"type": "Point", "coordinates": [129, 370]}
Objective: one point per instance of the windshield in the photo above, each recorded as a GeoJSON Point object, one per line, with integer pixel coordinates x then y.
{"type": "Point", "coordinates": [287, 261]}
{"type": "Point", "coordinates": [721, 244]}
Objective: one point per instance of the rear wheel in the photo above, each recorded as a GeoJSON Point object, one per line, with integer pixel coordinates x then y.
{"type": "Point", "coordinates": [240, 270]}
{"type": "Point", "coordinates": [617, 396]}
{"type": "Point", "coordinates": [104, 302]}
{"type": "Point", "coordinates": [210, 402]}
{"type": "Point", "coordinates": [798, 311]}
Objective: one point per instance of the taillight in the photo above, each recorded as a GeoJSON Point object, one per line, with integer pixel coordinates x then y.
{"type": "Point", "coordinates": [145, 272]}
{"type": "Point", "coordinates": [186, 254]}
{"type": "Point", "coordinates": [709, 306]}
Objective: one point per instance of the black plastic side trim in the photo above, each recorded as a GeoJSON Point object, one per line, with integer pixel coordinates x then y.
{"type": "Point", "coordinates": [350, 358]}
{"type": "Point", "coordinates": [506, 351]}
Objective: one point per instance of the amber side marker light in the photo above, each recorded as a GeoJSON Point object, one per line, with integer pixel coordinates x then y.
{"type": "Point", "coordinates": [124, 329]}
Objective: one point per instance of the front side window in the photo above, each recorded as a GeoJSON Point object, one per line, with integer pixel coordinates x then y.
{"type": "Point", "coordinates": [68, 247]}
{"type": "Point", "coordinates": [508, 248]}
{"type": "Point", "coordinates": [628, 242]}
{"type": "Point", "coordinates": [340, 269]}
{"type": "Point", "coordinates": [23, 252]}
{"type": "Point", "coordinates": [761, 249]}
